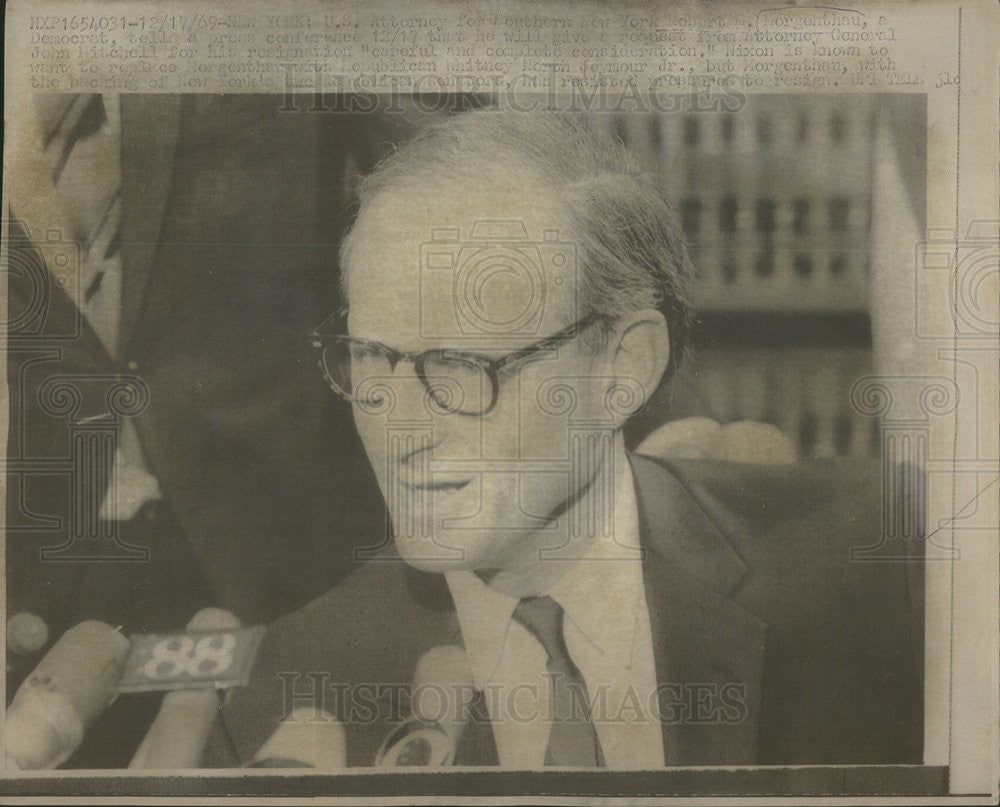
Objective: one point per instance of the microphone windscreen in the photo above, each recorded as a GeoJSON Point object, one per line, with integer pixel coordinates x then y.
{"type": "Point", "coordinates": [72, 684]}
{"type": "Point", "coordinates": [443, 690]}
{"type": "Point", "coordinates": [180, 731]}
{"type": "Point", "coordinates": [26, 634]}
{"type": "Point", "coordinates": [213, 619]}
{"type": "Point", "coordinates": [308, 738]}
{"type": "Point", "coordinates": [443, 687]}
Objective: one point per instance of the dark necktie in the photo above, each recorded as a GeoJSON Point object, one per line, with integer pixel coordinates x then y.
{"type": "Point", "coordinates": [572, 739]}
{"type": "Point", "coordinates": [83, 154]}
{"type": "Point", "coordinates": [81, 146]}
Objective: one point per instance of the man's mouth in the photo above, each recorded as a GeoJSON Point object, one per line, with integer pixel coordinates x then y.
{"type": "Point", "coordinates": [438, 485]}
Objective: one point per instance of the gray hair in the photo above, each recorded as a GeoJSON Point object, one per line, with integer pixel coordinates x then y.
{"type": "Point", "coordinates": [631, 249]}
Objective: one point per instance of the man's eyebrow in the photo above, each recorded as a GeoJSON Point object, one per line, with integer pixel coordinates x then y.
{"type": "Point", "coordinates": [494, 353]}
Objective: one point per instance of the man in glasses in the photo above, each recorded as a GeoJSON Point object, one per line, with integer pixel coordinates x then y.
{"type": "Point", "coordinates": [517, 290]}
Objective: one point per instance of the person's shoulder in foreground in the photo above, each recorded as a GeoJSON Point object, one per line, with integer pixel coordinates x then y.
{"type": "Point", "coordinates": [765, 579]}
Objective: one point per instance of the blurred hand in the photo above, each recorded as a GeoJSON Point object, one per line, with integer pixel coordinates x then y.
{"type": "Point", "coordinates": [703, 438]}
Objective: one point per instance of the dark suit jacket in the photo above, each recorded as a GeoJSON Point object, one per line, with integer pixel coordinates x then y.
{"type": "Point", "coordinates": [749, 581]}
{"type": "Point", "coordinates": [232, 210]}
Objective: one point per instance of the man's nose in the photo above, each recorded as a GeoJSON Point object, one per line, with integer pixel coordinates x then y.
{"type": "Point", "coordinates": [411, 394]}
{"type": "Point", "coordinates": [426, 425]}
{"type": "Point", "coordinates": [414, 432]}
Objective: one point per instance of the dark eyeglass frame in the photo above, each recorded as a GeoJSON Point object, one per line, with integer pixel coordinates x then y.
{"type": "Point", "coordinates": [327, 334]}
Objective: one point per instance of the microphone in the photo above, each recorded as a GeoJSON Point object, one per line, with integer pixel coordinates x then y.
{"type": "Point", "coordinates": [443, 691]}
{"type": "Point", "coordinates": [72, 684]}
{"type": "Point", "coordinates": [308, 738]}
{"type": "Point", "coordinates": [179, 733]}
{"type": "Point", "coordinates": [26, 634]}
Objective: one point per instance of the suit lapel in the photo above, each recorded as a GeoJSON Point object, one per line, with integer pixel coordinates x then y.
{"type": "Point", "coordinates": [149, 137]}
{"type": "Point", "coordinates": [709, 651]}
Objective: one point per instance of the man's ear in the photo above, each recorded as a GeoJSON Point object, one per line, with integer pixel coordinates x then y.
{"type": "Point", "coordinates": [639, 352]}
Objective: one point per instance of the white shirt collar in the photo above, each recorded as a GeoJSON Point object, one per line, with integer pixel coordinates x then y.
{"type": "Point", "coordinates": [598, 594]}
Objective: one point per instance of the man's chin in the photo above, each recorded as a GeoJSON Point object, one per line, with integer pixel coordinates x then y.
{"type": "Point", "coordinates": [429, 555]}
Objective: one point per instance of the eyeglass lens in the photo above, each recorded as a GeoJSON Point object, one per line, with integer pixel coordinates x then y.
{"type": "Point", "coordinates": [453, 383]}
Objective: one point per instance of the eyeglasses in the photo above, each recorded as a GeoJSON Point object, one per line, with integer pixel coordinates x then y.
{"type": "Point", "coordinates": [456, 381]}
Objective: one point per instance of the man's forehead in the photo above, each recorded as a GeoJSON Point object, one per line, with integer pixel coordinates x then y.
{"type": "Point", "coordinates": [491, 267]}
{"type": "Point", "coordinates": [414, 215]}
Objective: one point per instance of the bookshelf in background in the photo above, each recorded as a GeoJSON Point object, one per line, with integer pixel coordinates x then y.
{"type": "Point", "coordinates": [775, 202]}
